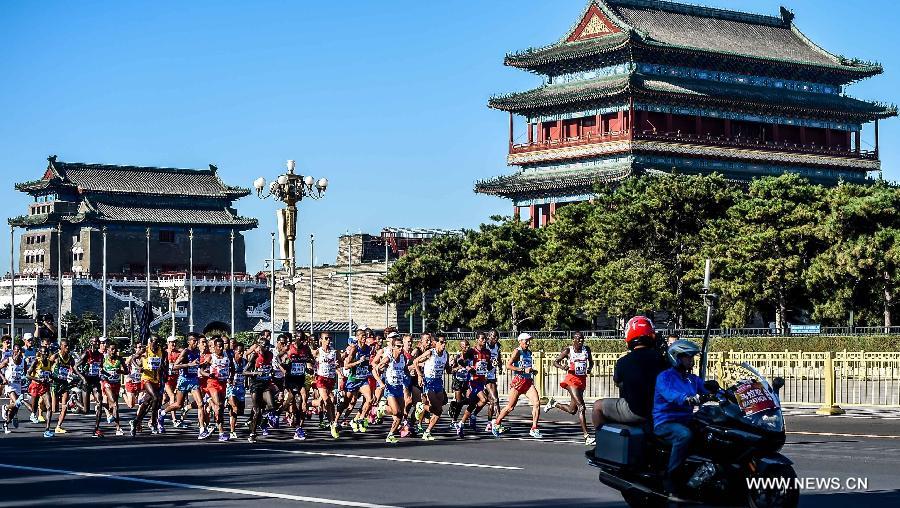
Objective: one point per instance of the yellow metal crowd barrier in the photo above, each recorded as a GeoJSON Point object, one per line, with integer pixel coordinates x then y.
{"type": "Point", "coordinates": [825, 379]}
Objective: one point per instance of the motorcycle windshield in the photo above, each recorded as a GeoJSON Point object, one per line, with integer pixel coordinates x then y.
{"type": "Point", "coordinates": [757, 400]}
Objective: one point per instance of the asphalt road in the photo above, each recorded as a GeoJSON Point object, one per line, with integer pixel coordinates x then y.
{"type": "Point", "coordinates": [515, 471]}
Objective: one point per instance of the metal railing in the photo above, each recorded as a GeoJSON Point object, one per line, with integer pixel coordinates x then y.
{"type": "Point", "coordinates": [824, 331]}
{"type": "Point", "coordinates": [826, 379]}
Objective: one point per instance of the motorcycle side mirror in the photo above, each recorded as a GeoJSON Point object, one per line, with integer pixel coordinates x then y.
{"type": "Point", "coordinates": [712, 386]}
{"type": "Point", "coordinates": [777, 384]}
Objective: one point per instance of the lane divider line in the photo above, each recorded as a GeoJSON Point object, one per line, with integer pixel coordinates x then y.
{"type": "Point", "coordinates": [390, 459]}
{"type": "Point", "coordinates": [838, 434]}
{"type": "Point", "coordinates": [225, 490]}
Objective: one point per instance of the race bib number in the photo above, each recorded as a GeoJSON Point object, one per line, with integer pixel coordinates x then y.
{"type": "Point", "coordinates": [265, 372]}
{"type": "Point", "coordinates": [580, 368]}
{"type": "Point", "coordinates": [222, 373]}
{"type": "Point", "coordinates": [65, 373]}
{"type": "Point", "coordinates": [111, 375]}
{"type": "Point", "coordinates": [277, 373]}
{"type": "Point", "coordinates": [238, 380]}
{"type": "Point", "coordinates": [44, 375]}
{"type": "Point", "coordinates": [481, 368]}
{"type": "Point", "coordinates": [93, 369]}
{"type": "Point", "coordinates": [298, 369]}
{"type": "Point", "coordinates": [154, 362]}
{"type": "Point", "coordinates": [192, 371]}
{"type": "Point", "coordinates": [753, 398]}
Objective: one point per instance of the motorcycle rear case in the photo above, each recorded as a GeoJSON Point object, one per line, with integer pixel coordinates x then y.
{"type": "Point", "coordinates": [620, 444]}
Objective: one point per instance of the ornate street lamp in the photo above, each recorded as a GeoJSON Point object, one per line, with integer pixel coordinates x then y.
{"type": "Point", "coordinates": [290, 189]}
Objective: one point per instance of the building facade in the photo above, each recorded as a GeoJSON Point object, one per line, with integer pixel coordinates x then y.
{"type": "Point", "coordinates": [651, 86]}
{"type": "Point", "coordinates": [172, 220]}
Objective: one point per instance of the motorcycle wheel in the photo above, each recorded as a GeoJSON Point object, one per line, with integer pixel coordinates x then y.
{"type": "Point", "coordinates": [787, 497]}
{"type": "Point", "coordinates": [638, 499]}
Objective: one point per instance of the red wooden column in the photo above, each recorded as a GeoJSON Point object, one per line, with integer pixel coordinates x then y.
{"type": "Point", "coordinates": [517, 214]}
{"type": "Point", "coordinates": [552, 211]}
{"type": "Point", "coordinates": [540, 132]}
{"type": "Point", "coordinates": [530, 133]}
{"type": "Point", "coordinates": [559, 130]}
{"type": "Point", "coordinates": [620, 117]}
{"type": "Point", "coordinates": [599, 124]}
{"type": "Point", "coordinates": [534, 220]}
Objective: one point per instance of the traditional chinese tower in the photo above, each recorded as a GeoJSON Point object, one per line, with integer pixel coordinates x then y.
{"type": "Point", "coordinates": [644, 86]}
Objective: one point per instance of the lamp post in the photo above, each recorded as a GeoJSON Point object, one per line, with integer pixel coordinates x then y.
{"type": "Point", "coordinates": [171, 292]}
{"type": "Point", "coordinates": [191, 282]}
{"type": "Point", "coordinates": [290, 189]}
{"type": "Point", "coordinates": [312, 275]}
{"type": "Point", "coordinates": [12, 281]}
{"type": "Point", "coordinates": [232, 283]}
{"type": "Point", "coordinates": [59, 285]}
{"type": "Point", "coordinates": [104, 283]}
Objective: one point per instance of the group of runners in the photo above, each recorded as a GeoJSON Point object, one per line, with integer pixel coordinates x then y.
{"type": "Point", "coordinates": [289, 382]}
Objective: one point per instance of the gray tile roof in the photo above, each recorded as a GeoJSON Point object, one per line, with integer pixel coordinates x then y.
{"type": "Point", "coordinates": [552, 96]}
{"type": "Point", "coordinates": [542, 182]}
{"type": "Point", "coordinates": [664, 24]}
{"type": "Point", "coordinates": [138, 180]}
{"type": "Point", "coordinates": [170, 215]}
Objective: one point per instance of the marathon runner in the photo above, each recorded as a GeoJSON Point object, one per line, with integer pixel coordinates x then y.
{"type": "Point", "coordinates": [111, 381]}
{"type": "Point", "coordinates": [29, 350]}
{"type": "Point", "coordinates": [327, 361]}
{"type": "Point", "coordinates": [133, 378]}
{"type": "Point", "coordinates": [431, 366]}
{"type": "Point", "coordinates": [62, 378]}
{"type": "Point", "coordinates": [171, 384]}
{"type": "Point", "coordinates": [12, 374]}
{"type": "Point", "coordinates": [522, 364]}
{"type": "Point", "coordinates": [187, 366]}
{"type": "Point", "coordinates": [576, 360]}
{"type": "Point", "coordinates": [153, 367]}
{"type": "Point", "coordinates": [464, 362]}
{"type": "Point", "coordinates": [39, 374]}
{"type": "Point", "coordinates": [88, 369]}
{"type": "Point", "coordinates": [299, 360]}
{"type": "Point", "coordinates": [235, 392]}
{"type": "Point", "coordinates": [490, 383]}
{"type": "Point", "coordinates": [260, 369]}
{"type": "Point", "coordinates": [221, 374]}
{"type": "Point", "coordinates": [357, 361]}
{"type": "Point", "coordinates": [477, 397]}
{"type": "Point", "coordinates": [394, 382]}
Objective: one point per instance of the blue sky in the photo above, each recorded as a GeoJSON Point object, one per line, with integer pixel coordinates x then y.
{"type": "Point", "coordinates": [386, 99]}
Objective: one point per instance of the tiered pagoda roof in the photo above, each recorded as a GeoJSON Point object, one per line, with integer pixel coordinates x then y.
{"type": "Point", "coordinates": [102, 193]}
{"type": "Point", "coordinates": [690, 91]}
{"type": "Point", "coordinates": [689, 32]}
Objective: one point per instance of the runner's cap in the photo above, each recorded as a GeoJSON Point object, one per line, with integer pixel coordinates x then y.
{"type": "Point", "coordinates": [172, 338]}
{"type": "Point", "coordinates": [524, 336]}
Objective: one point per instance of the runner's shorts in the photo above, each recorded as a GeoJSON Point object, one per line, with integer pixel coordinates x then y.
{"type": "Point", "coordinates": [238, 392]}
{"type": "Point", "coordinates": [355, 384]}
{"type": "Point", "coordinates": [395, 391]}
{"type": "Point", "coordinates": [13, 387]}
{"type": "Point", "coordinates": [214, 385]}
{"type": "Point", "coordinates": [521, 384]}
{"type": "Point", "coordinates": [434, 384]}
{"type": "Point", "coordinates": [187, 384]}
{"type": "Point", "coordinates": [132, 387]}
{"type": "Point", "coordinates": [325, 383]}
{"type": "Point", "coordinates": [476, 387]}
{"type": "Point", "coordinates": [37, 389]}
{"type": "Point", "coordinates": [92, 382]}
{"type": "Point", "coordinates": [295, 383]}
{"type": "Point", "coordinates": [574, 382]}
{"type": "Point", "coordinates": [114, 388]}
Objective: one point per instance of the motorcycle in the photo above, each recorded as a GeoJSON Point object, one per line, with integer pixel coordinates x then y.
{"type": "Point", "coordinates": [734, 455]}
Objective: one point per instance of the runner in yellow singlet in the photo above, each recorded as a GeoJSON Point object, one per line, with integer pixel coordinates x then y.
{"type": "Point", "coordinates": [152, 366]}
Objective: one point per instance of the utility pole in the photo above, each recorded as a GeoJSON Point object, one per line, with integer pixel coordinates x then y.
{"type": "Point", "coordinates": [104, 284]}
{"type": "Point", "coordinates": [312, 309]}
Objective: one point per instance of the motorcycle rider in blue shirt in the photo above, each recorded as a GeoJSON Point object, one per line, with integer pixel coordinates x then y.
{"type": "Point", "coordinates": [677, 392]}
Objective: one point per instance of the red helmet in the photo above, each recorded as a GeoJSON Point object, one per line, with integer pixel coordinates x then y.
{"type": "Point", "coordinates": [637, 327]}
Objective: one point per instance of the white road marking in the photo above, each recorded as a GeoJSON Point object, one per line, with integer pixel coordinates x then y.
{"type": "Point", "coordinates": [242, 492]}
{"type": "Point", "coordinates": [838, 434]}
{"type": "Point", "coordinates": [390, 459]}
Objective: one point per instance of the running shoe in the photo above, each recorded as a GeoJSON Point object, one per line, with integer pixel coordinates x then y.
{"type": "Point", "coordinates": [234, 435]}
{"type": "Point", "coordinates": [391, 439]}
{"type": "Point", "coordinates": [132, 430]}
{"type": "Point", "coordinates": [551, 403]}
{"type": "Point", "coordinates": [160, 427]}
{"type": "Point", "coordinates": [459, 431]}
{"type": "Point", "coordinates": [109, 418]}
{"type": "Point", "coordinates": [299, 435]}
{"type": "Point", "coordinates": [97, 433]}
{"type": "Point", "coordinates": [495, 429]}
{"type": "Point", "coordinates": [404, 429]}
{"type": "Point", "coordinates": [223, 437]}
{"type": "Point", "coordinates": [489, 426]}
{"type": "Point", "coordinates": [535, 433]}
{"type": "Point", "coordinates": [502, 429]}
{"type": "Point", "coordinates": [323, 424]}
{"type": "Point", "coordinates": [48, 433]}
{"type": "Point", "coordinates": [41, 419]}
{"type": "Point", "coordinates": [426, 436]}
{"type": "Point", "coordinates": [590, 440]}
{"type": "Point", "coordinates": [34, 418]}
{"type": "Point", "coordinates": [6, 428]}
{"type": "Point", "coordinates": [420, 410]}
{"type": "Point", "coordinates": [379, 413]}
{"type": "Point", "coordinates": [334, 432]}
{"type": "Point", "coordinates": [60, 430]}
{"type": "Point", "coordinates": [161, 418]}
{"type": "Point", "coordinates": [265, 432]}
{"type": "Point", "coordinates": [178, 424]}
{"type": "Point", "coordinates": [420, 429]}
{"type": "Point", "coordinates": [120, 432]}
{"type": "Point", "coordinates": [252, 438]}
{"type": "Point", "coordinates": [473, 423]}
{"type": "Point", "coordinates": [354, 425]}
{"type": "Point", "coordinates": [273, 420]}
{"type": "Point", "coordinates": [154, 430]}
{"type": "Point", "coordinates": [16, 422]}
{"type": "Point", "coordinates": [203, 434]}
